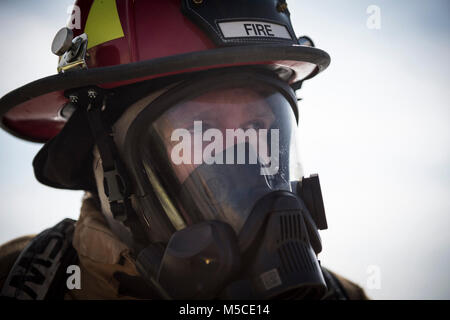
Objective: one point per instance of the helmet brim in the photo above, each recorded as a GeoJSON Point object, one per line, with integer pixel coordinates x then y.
{"type": "Point", "coordinates": [32, 112]}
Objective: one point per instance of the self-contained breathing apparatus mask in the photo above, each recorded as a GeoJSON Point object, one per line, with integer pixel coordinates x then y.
{"type": "Point", "coordinates": [216, 170]}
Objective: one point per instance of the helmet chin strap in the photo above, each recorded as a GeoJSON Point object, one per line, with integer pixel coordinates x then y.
{"type": "Point", "coordinates": [116, 181]}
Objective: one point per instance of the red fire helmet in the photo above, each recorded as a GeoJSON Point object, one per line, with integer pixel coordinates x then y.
{"type": "Point", "coordinates": [126, 41]}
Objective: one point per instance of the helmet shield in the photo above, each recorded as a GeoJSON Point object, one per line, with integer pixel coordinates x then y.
{"type": "Point", "coordinates": [215, 152]}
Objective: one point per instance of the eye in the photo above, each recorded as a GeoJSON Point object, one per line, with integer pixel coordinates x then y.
{"type": "Point", "coordinates": [195, 130]}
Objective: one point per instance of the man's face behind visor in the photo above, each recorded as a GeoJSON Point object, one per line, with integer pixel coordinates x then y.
{"type": "Point", "coordinates": [215, 152]}
{"type": "Point", "coordinates": [197, 129]}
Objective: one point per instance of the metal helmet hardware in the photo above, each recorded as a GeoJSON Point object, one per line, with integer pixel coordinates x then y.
{"type": "Point", "coordinates": [62, 41]}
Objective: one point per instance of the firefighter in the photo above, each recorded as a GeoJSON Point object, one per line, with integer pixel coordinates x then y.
{"type": "Point", "coordinates": [178, 119]}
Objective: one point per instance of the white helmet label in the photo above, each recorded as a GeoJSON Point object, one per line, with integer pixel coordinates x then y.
{"type": "Point", "coordinates": [253, 29]}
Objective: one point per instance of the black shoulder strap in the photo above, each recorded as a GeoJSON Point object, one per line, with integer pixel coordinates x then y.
{"type": "Point", "coordinates": [40, 270]}
{"type": "Point", "coordinates": [335, 289]}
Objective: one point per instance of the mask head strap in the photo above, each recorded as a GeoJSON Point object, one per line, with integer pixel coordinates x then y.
{"type": "Point", "coordinates": [116, 181]}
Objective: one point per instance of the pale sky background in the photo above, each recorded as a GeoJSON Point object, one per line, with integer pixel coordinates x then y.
{"type": "Point", "coordinates": [375, 126]}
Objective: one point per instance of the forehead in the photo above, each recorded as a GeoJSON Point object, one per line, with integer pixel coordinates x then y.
{"type": "Point", "coordinates": [230, 96]}
{"type": "Point", "coordinates": [223, 100]}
